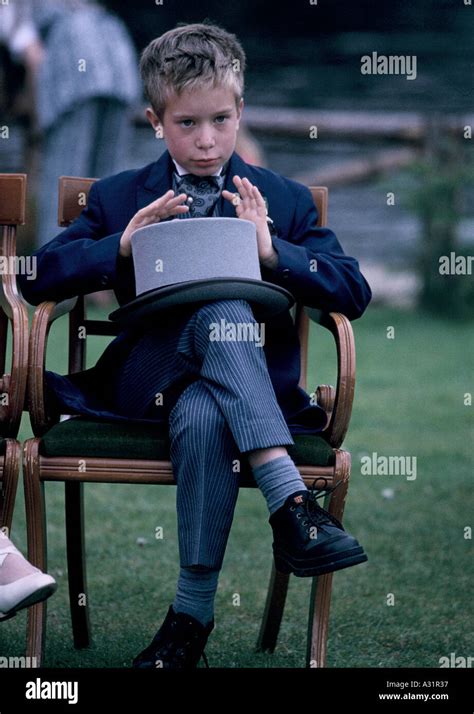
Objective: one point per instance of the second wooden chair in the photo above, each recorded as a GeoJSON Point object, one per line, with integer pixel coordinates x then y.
{"type": "Point", "coordinates": [13, 314]}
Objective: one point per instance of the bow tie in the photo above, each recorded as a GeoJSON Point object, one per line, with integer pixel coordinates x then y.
{"type": "Point", "coordinates": [204, 191]}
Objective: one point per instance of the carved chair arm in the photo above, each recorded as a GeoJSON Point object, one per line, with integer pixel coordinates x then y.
{"type": "Point", "coordinates": [13, 310]}
{"type": "Point", "coordinates": [44, 316]}
{"type": "Point", "coordinates": [338, 403]}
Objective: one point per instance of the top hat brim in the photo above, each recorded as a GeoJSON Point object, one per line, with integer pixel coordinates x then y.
{"type": "Point", "coordinates": [265, 298]}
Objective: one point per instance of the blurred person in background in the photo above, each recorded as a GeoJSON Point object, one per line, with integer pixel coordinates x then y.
{"type": "Point", "coordinates": [81, 65]}
{"type": "Point", "coordinates": [20, 49]}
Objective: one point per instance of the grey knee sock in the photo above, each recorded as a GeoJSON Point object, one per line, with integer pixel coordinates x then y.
{"type": "Point", "coordinates": [277, 479]}
{"type": "Point", "coordinates": [196, 592]}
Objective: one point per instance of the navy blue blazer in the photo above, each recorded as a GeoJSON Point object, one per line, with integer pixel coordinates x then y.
{"type": "Point", "coordinates": [84, 258]}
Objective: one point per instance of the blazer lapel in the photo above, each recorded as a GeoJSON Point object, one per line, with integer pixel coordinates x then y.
{"type": "Point", "coordinates": [157, 183]}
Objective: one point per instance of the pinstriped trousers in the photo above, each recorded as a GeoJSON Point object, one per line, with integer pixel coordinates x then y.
{"type": "Point", "coordinates": [219, 402]}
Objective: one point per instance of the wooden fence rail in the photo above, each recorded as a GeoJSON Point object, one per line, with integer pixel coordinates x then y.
{"type": "Point", "coordinates": [401, 126]}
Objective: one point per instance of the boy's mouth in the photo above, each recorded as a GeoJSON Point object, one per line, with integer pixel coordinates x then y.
{"type": "Point", "coordinates": [205, 161]}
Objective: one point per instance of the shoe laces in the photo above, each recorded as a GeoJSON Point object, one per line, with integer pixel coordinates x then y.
{"type": "Point", "coordinates": [314, 514]}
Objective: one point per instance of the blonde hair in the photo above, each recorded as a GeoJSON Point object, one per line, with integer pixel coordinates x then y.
{"type": "Point", "coordinates": [189, 57]}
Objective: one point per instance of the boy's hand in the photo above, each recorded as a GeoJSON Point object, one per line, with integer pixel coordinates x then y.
{"type": "Point", "coordinates": [163, 207]}
{"type": "Point", "coordinates": [250, 206]}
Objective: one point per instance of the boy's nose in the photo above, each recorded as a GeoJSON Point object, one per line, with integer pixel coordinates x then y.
{"type": "Point", "coordinates": [205, 140]}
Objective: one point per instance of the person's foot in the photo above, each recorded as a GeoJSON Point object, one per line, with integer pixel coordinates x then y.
{"type": "Point", "coordinates": [21, 584]}
{"type": "Point", "coordinates": [178, 644]}
{"type": "Point", "coordinates": [308, 540]}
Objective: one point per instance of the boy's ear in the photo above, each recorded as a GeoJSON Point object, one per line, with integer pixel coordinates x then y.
{"type": "Point", "coordinates": [153, 119]}
{"type": "Point", "coordinates": [240, 109]}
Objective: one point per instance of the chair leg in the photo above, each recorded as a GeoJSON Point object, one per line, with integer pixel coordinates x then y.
{"type": "Point", "coordinates": [37, 553]}
{"type": "Point", "coordinates": [321, 588]}
{"type": "Point", "coordinates": [11, 469]}
{"type": "Point", "coordinates": [273, 613]}
{"type": "Point", "coordinates": [342, 473]}
{"type": "Point", "coordinates": [318, 624]}
{"type": "Point", "coordinates": [76, 560]}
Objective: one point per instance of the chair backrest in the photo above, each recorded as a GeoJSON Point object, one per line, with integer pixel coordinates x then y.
{"type": "Point", "coordinates": [74, 192]}
{"type": "Point", "coordinates": [73, 195]}
{"type": "Point", "coordinates": [12, 307]}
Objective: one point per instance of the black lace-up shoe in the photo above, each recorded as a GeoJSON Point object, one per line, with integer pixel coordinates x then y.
{"type": "Point", "coordinates": [308, 540]}
{"type": "Point", "coordinates": [178, 644]}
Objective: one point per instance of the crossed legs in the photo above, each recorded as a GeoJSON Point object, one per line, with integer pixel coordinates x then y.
{"type": "Point", "coordinates": [230, 410]}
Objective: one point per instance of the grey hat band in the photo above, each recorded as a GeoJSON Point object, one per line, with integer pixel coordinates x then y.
{"type": "Point", "coordinates": [201, 249]}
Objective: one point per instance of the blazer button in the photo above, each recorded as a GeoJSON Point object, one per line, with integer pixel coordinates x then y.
{"type": "Point", "coordinates": [285, 272]}
{"type": "Point", "coordinates": [104, 280]}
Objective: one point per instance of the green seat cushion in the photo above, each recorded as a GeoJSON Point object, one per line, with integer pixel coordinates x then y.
{"type": "Point", "coordinates": [127, 440]}
{"type": "Point", "coordinates": [311, 450]}
{"type": "Point", "coordinates": [114, 440]}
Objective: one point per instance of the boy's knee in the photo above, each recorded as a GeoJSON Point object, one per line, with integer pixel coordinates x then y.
{"type": "Point", "coordinates": [197, 411]}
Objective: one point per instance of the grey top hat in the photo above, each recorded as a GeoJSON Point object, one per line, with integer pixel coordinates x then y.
{"type": "Point", "coordinates": [198, 260]}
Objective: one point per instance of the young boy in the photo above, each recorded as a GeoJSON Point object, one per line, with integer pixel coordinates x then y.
{"type": "Point", "coordinates": [221, 400]}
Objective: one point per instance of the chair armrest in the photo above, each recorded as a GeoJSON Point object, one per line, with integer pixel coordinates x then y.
{"type": "Point", "coordinates": [44, 316]}
{"type": "Point", "coordinates": [13, 309]}
{"type": "Point", "coordinates": [61, 308]}
{"type": "Point", "coordinates": [340, 414]}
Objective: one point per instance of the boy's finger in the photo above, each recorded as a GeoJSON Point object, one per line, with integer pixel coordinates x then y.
{"type": "Point", "coordinates": [168, 199]}
{"type": "Point", "coordinates": [258, 197]}
{"type": "Point", "coordinates": [176, 199]}
{"type": "Point", "coordinates": [165, 197]}
{"type": "Point", "coordinates": [234, 198]}
{"type": "Point", "coordinates": [238, 184]}
{"type": "Point", "coordinates": [241, 186]}
{"type": "Point", "coordinates": [156, 203]}
{"type": "Point", "coordinates": [248, 185]}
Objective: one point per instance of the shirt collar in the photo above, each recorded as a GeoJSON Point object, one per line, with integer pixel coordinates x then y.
{"type": "Point", "coordinates": [182, 172]}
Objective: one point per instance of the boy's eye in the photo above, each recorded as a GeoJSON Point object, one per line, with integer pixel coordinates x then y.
{"type": "Point", "coordinates": [219, 119]}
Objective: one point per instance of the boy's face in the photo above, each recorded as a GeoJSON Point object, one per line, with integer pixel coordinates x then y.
{"type": "Point", "coordinates": [200, 124]}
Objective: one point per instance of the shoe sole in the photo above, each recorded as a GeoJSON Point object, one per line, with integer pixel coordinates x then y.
{"type": "Point", "coordinates": [301, 568]}
{"type": "Point", "coordinates": [38, 596]}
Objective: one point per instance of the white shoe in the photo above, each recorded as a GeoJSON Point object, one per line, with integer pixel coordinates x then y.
{"type": "Point", "coordinates": [30, 587]}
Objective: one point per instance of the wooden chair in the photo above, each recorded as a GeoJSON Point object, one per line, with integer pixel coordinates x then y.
{"type": "Point", "coordinates": [13, 312]}
{"type": "Point", "coordinates": [125, 454]}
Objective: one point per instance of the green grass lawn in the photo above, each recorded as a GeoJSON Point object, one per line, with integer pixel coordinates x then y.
{"type": "Point", "coordinates": [409, 402]}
